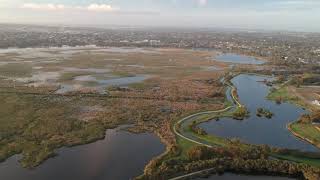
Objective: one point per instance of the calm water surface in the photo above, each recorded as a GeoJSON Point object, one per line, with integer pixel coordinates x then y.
{"type": "Point", "coordinates": [120, 156]}
{"type": "Point", "coordinates": [257, 130]}
{"type": "Point", "coordinates": [99, 84]}
{"type": "Point", "coordinates": [238, 59]}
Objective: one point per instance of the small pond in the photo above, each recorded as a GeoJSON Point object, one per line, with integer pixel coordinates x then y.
{"type": "Point", "coordinates": [237, 59]}
{"type": "Point", "coordinates": [99, 85]}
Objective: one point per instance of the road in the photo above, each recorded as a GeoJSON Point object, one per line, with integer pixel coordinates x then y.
{"type": "Point", "coordinates": [207, 144]}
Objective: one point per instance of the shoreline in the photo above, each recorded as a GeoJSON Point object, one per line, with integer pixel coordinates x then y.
{"type": "Point", "coordinates": [236, 103]}
{"type": "Point", "coordinates": [300, 136]}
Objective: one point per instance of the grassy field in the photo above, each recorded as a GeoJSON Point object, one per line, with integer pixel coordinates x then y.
{"type": "Point", "coordinates": [287, 94]}
{"type": "Point", "coordinates": [303, 130]}
{"type": "Point", "coordinates": [283, 95]}
{"type": "Point", "coordinates": [16, 70]}
{"type": "Point", "coordinates": [184, 145]}
{"type": "Point", "coordinates": [307, 131]}
{"type": "Point", "coordinates": [35, 121]}
{"type": "Point", "coordinates": [299, 159]}
{"type": "Point", "coordinates": [36, 126]}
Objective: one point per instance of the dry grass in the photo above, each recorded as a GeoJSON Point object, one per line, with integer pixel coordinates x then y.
{"type": "Point", "coordinates": [37, 124]}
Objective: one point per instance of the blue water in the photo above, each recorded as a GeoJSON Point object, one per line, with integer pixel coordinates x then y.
{"type": "Point", "coordinates": [120, 156]}
{"type": "Point", "coordinates": [256, 130]}
{"type": "Point", "coordinates": [238, 59]}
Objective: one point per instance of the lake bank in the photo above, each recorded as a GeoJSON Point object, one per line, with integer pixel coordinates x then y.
{"type": "Point", "coordinates": [117, 156]}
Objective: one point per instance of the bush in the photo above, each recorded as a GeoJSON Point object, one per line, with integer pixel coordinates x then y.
{"type": "Point", "coordinates": [240, 113]}
{"type": "Point", "coordinates": [199, 153]}
{"type": "Point", "coordinates": [264, 112]}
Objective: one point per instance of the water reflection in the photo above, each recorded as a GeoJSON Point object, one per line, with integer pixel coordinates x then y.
{"type": "Point", "coordinates": [121, 156]}
{"type": "Point", "coordinates": [238, 59]}
{"type": "Point", "coordinates": [99, 85]}
{"type": "Point", "coordinates": [257, 130]}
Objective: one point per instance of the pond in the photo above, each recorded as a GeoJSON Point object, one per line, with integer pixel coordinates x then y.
{"type": "Point", "coordinates": [237, 59]}
{"type": "Point", "coordinates": [121, 155]}
{"type": "Point", "coordinates": [255, 130]}
{"type": "Point", "coordinates": [99, 85]}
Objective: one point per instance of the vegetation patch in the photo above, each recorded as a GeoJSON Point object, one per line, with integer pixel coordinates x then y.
{"type": "Point", "coordinates": [240, 113]}
{"type": "Point", "coordinates": [69, 76]}
{"type": "Point", "coordinates": [252, 159]}
{"type": "Point", "coordinates": [36, 126]}
{"type": "Point", "coordinates": [310, 79]}
{"type": "Point", "coordinates": [264, 113]}
{"type": "Point", "coordinates": [307, 132]}
{"type": "Point", "coordinates": [311, 158]}
{"type": "Point", "coordinates": [16, 70]}
{"type": "Point", "coordinates": [282, 95]}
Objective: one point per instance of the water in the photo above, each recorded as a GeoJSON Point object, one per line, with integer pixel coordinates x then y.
{"type": "Point", "coordinates": [120, 156]}
{"type": "Point", "coordinates": [257, 130]}
{"type": "Point", "coordinates": [90, 70]}
{"type": "Point", "coordinates": [238, 59]}
{"type": "Point", "coordinates": [127, 50]}
{"type": "Point", "coordinates": [229, 176]}
{"type": "Point", "coordinates": [213, 68]}
{"type": "Point", "coordinates": [100, 84]}
{"type": "Point", "coordinates": [67, 51]}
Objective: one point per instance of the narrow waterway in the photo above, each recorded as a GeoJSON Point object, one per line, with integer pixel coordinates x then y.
{"type": "Point", "coordinates": [120, 156]}
{"type": "Point", "coordinates": [256, 130]}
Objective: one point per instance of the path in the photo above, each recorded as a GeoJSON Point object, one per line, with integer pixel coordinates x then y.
{"type": "Point", "coordinates": [238, 104]}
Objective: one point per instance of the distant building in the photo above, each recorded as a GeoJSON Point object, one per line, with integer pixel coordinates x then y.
{"type": "Point", "coordinates": [154, 42]}
{"type": "Point", "coordinates": [316, 102]}
{"type": "Point", "coordinates": [317, 51]}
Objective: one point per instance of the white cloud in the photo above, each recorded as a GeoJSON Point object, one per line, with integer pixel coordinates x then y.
{"type": "Point", "coordinates": [298, 2]}
{"type": "Point", "coordinates": [55, 7]}
{"type": "Point", "coordinates": [295, 4]}
{"type": "Point", "coordinates": [202, 2]}
{"type": "Point", "coordinates": [100, 7]}
{"type": "Point", "coordinates": [51, 7]}
{"type": "Point", "coordinates": [9, 3]}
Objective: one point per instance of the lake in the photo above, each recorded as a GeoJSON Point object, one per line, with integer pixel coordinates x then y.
{"type": "Point", "coordinates": [256, 130]}
{"type": "Point", "coordinates": [120, 156]}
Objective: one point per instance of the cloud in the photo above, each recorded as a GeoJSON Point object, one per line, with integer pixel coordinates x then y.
{"type": "Point", "coordinates": [9, 3]}
{"type": "Point", "coordinates": [202, 2]}
{"type": "Point", "coordinates": [295, 5]}
{"type": "Point", "coordinates": [51, 7]}
{"type": "Point", "coordinates": [55, 7]}
{"type": "Point", "coordinates": [297, 2]}
{"type": "Point", "coordinates": [99, 7]}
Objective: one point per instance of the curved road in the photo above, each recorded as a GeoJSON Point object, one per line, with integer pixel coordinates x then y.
{"type": "Point", "coordinates": [237, 103]}
{"type": "Point", "coordinates": [202, 113]}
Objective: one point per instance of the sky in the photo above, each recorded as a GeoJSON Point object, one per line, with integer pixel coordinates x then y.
{"type": "Point", "coordinates": [296, 15]}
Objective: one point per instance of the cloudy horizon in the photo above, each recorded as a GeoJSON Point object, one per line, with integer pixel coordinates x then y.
{"type": "Point", "coordinates": [296, 15]}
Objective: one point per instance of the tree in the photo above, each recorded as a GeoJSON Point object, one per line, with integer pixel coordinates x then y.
{"type": "Point", "coordinates": [305, 119]}
{"type": "Point", "coordinates": [199, 153]}
{"type": "Point", "coordinates": [240, 113]}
